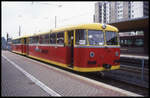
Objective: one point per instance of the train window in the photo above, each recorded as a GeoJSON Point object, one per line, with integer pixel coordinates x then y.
{"type": "Point", "coordinates": [30, 40]}
{"type": "Point", "coordinates": [44, 39]}
{"type": "Point", "coordinates": [111, 38]}
{"type": "Point", "coordinates": [14, 41]}
{"type": "Point", "coordinates": [96, 37]}
{"type": "Point", "coordinates": [17, 41]}
{"type": "Point", "coordinates": [34, 40]}
{"type": "Point", "coordinates": [81, 37]}
{"type": "Point", "coordinates": [25, 42]}
{"type": "Point", "coordinates": [60, 38]}
{"type": "Point", "coordinates": [53, 38]}
{"type": "Point", "coordinates": [70, 37]}
{"type": "Point", "coordinates": [139, 42]}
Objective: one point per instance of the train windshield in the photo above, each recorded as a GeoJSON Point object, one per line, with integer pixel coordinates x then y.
{"type": "Point", "coordinates": [96, 37]}
{"type": "Point", "coordinates": [111, 38]}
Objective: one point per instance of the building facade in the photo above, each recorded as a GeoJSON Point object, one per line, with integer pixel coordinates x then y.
{"type": "Point", "coordinates": [146, 8]}
{"type": "Point", "coordinates": [109, 12]}
{"type": "Point", "coordinates": [102, 12]}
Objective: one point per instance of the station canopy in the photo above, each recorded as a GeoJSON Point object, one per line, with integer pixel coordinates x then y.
{"type": "Point", "coordinates": [132, 24]}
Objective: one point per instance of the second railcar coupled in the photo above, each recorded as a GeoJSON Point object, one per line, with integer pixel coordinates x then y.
{"type": "Point", "coordinates": [85, 48]}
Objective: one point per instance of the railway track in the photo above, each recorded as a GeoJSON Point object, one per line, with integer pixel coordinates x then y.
{"type": "Point", "coordinates": [136, 62]}
{"type": "Point", "coordinates": [117, 83]}
{"type": "Point", "coordinates": [134, 69]}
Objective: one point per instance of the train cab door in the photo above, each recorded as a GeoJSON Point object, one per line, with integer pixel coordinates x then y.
{"type": "Point", "coordinates": [71, 45]}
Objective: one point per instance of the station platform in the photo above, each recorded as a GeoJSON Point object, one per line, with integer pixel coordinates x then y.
{"type": "Point", "coordinates": [48, 80]}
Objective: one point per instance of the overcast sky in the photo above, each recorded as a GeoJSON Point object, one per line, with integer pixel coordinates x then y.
{"type": "Point", "coordinates": [37, 17]}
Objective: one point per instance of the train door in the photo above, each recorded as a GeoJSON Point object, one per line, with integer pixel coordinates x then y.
{"type": "Point", "coordinates": [22, 45]}
{"type": "Point", "coordinates": [71, 45]}
{"type": "Point", "coordinates": [27, 46]}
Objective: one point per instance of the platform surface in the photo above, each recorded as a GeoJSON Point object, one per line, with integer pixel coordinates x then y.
{"type": "Point", "coordinates": [22, 76]}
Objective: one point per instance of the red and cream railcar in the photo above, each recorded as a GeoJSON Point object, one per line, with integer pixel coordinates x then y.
{"type": "Point", "coordinates": [84, 48]}
{"type": "Point", "coordinates": [19, 45]}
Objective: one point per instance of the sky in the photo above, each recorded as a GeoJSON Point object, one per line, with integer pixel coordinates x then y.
{"type": "Point", "coordinates": [35, 17]}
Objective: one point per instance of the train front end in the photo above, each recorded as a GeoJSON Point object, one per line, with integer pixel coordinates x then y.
{"type": "Point", "coordinates": [97, 49]}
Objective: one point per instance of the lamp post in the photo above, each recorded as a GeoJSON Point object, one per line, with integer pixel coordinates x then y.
{"type": "Point", "coordinates": [19, 30]}
{"type": "Point", "coordinates": [19, 25]}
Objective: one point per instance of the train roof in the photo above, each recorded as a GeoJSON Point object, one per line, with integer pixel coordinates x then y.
{"type": "Point", "coordinates": [21, 37]}
{"type": "Point", "coordinates": [94, 26]}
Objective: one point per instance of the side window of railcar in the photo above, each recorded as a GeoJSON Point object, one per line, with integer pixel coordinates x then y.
{"type": "Point", "coordinates": [96, 37]}
{"type": "Point", "coordinates": [111, 38]}
{"type": "Point", "coordinates": [14, 41]}
{"type": "Point", "coordinates": [60, 38]}
{"type": "Point", "coordinates": [53, 38]}
{"type": "Point", "coordinates": [18, 41]}
{"type": "Point", "coordinates": [44, 39]}
{"type": "Point", "coordinates": [81, 37]}
{"type": "Point", "coordinates": [34, 40]}
{"type": "Point", "coordinates": [30, 40]}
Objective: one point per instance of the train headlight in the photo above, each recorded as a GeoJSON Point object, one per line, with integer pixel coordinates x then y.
{"type": "Point", "coordinates": [92, 54]}
{"type": "Point", "coordinates": [117, 53]}
{"type": "Point", "coordinates": [104, 26]}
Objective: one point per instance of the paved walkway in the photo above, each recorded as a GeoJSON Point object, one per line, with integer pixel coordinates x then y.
{"type": "Point", "coordinates": [59, 81]}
